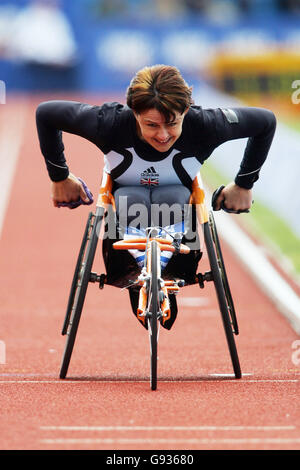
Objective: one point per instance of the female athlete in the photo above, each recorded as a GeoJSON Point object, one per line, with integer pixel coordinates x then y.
{"type": "Point", "coordinates": [153, 146]}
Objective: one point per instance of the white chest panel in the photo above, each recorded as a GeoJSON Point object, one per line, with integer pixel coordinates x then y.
{"type": "Point", "coordinates": [148, 173]}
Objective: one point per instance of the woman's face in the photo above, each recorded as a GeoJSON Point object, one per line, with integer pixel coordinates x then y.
{"type": "Point", "coordinates": [153, 129]}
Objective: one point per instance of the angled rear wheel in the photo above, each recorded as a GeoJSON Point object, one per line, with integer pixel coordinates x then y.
{"type": "Point", "coordinates": [82, 277]}
{"type": "Point", "coordinates": [76, 272]}
{"type": "Point", "coordinates": [221, 264]}
{"type": "Point", "coordinates": [222, 291]}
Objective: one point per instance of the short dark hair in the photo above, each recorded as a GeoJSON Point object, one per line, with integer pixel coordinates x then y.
{"type": "Point", "coordinates": [161, 87]}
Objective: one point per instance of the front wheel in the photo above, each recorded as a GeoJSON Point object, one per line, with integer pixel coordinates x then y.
{"type": "Point", "coordinates": [153, 310]}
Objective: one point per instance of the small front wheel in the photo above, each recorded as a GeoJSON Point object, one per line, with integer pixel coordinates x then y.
{"type": "Point", "coordinates": [153, 311]}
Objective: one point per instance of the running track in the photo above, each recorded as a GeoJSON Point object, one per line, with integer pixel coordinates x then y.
{"type": "Point", "coordinates": [106, 401]}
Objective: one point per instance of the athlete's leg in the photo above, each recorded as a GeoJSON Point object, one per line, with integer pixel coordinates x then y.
{"type": "Point", "coordinates": [168, 204]}
{"type": "Point", "coordinates": [136, 204]}
{"type": "Point", "coordinates": [163, 206]}
{"type": "Point", "coordinates": [132, 209]}
{"type": "Point", "coordinates": [170, 194]}
{"type": "Point", "coordinates": [133, 206]}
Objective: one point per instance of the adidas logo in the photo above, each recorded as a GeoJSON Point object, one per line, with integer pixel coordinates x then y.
{"type": "Point", "coordinates": [150, 171]}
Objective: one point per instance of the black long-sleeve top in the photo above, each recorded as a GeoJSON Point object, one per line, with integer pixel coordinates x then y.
{"type": "Point", "coordinates": [131, 161]}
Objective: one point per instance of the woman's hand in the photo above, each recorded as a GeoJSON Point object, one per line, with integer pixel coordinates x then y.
{"type": "Point", "coordinates": [235, 198]}
{"type": "Point", "coordinates": [68, 190]}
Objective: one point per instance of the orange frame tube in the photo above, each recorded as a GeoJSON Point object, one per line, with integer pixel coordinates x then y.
{"type": "Point", "coordinates": [198, 198]}
{"type": "Point", "coordinates": [141, 244]}
{"type": "Point", "coordinates": [105, 197]}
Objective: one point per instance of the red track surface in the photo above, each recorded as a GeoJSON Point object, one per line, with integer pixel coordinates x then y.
{"type": "Point", "coordinates": [106, 401]}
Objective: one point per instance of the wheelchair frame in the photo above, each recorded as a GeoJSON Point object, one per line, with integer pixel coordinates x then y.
{"type": "Point", "coordinates": [83, 275]}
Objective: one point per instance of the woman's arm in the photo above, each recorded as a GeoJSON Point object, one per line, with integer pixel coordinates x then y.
{"type": "Point", "coordinates": [55, 117]}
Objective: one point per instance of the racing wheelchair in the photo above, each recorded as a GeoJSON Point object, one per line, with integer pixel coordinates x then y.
{"type": "Point", "coordinates": [154, 287]}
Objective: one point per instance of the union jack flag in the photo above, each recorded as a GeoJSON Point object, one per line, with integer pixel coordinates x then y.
{"type": "Point", "coordinates": [150, 181]}
{"type": "Point", "coordinates": [150, 177]}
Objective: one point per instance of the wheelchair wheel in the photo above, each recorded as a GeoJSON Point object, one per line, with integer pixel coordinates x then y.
{"type": "Point", "coordinates": [153, 308]}
{"type": "Point", "coordinates": [79, 285]}
{"type": "Point", "coordinates": [76, 274]}
{"type": "Point", "coordinates": [218, 278]}
{"type": "Point", "coordinates": [230, 303]}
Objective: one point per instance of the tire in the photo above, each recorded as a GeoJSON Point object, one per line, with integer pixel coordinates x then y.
{"type": "Point", "coordinates": [153, 309]}
{"type": "Point", "coordinates": [230, 303]}
{"type": "Point", "coordinates": [76, 274]}
{"type": "Point", "coordinates": [219, 287]}
{"type": "Point", "coordinates": [80, 289]}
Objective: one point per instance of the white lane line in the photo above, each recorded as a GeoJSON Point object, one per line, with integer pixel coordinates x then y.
{"type": "Point", "coordinates": [196, 381]}
{"type": "Point", "coordinates": [167, 428]}
{"type": "Point", "coordinates": [228, 375]}
{"type": "Point", "coordinates": [11, 135]}
{"type": "Point", "coordinates": [204, 441]}
{"type": "Point", "coordinates": [193, 301]}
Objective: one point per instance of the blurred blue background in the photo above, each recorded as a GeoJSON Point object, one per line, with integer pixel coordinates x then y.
{"type": "Point", "coordinates": [97, 45]}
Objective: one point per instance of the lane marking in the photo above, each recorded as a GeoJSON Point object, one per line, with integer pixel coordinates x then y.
{"type": "Point", "coordinates": [194, 301]}
{"type": "Point", "coordinates": [19, 374]}
{"type": "Point", "coordinates": [167, 428]}
{"type": "Point", "coordinates": [228, 375]}
{"type": "Point", "coordinates": [11, 137]}
{"type": "Point", "coordinates": [100, 381]}
{"type": "Point", "coordinates": [206, 441]}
